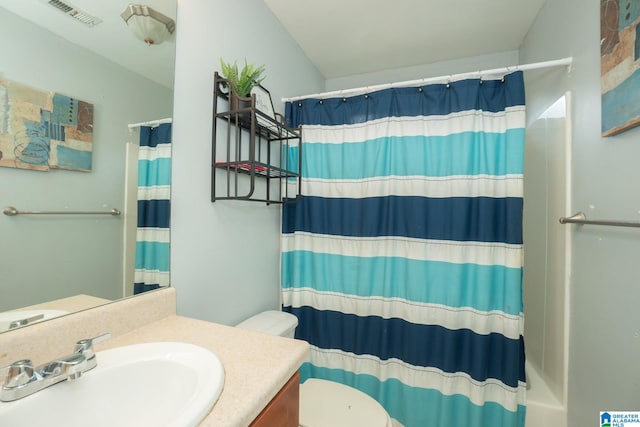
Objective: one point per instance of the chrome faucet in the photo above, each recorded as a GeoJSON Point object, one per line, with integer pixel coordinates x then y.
{"type": "Point", "coordinates": [22, 379]}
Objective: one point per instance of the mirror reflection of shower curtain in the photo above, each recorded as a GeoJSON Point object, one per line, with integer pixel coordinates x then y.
{"type": "Point", "coordinates": [154, 191]}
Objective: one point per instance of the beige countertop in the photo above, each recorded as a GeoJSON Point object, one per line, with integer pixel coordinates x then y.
{"type": "Point", "coordinates": [70, 304]}
{"type": "Point", "coordinates": [256, 365]}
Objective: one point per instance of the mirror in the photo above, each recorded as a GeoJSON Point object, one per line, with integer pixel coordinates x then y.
{"type": "Point", "coordinates": [73, 262]}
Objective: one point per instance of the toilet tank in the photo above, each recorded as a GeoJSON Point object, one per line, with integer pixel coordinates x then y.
{"type": "Point", "coordinates": [272, 322]}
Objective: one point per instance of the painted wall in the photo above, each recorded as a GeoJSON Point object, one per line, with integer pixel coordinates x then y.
{"type": "Point", "coordinates": [604, 292]}
{"type": "Point", "coordinates": [44, 258]}
{"type": "Point", "coordinates": [225, 255]}
{"type": "Point", "coordinates": [443, 68]}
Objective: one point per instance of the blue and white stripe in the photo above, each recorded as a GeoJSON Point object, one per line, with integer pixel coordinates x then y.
{"type": "Point", "coordinates": [465, 317]}
{"type": "Point", "coordinates": [416, 185]}
{"type": "Point", "coordinates": [459, 383]}
{"type": "Point", "coordinates": [402, 259]}
{"type": "Point", "coordinates": [415, 155]}
{"type": "Point", "coordinates": [482, 253]}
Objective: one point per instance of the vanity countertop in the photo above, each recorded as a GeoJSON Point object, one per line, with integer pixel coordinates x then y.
{"type": "Point", "coordinates": [70, 304]}
{"type": "Point", "coordinates": [256, 365]}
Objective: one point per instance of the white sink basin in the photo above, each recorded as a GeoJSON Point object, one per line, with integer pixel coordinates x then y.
{"type": "Point", "coordinates": [154, 384]}
{"type": "Point", "coordinates": [7, 317]}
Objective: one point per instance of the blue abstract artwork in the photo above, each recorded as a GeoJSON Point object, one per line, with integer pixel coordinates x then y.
{"type": "Point", "coordinates": [620, 65]}
{"type": "Point", "coordinates": [44, 130]}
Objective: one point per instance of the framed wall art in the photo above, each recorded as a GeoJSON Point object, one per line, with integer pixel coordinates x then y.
{"type": "Point", "coordinates": [619, 65]}
{"type": "Point", "coordinates": [264, 104]}
{"type": "Point", "coordinates": [44, 130]}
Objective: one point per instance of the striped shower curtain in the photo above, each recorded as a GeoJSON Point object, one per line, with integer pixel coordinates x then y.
{"type": "Point", "coordinates": [154, 193]}
{"type": "Point", "coordinates": [402, 259]}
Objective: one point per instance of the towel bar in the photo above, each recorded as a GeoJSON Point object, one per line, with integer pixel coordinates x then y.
{"type": "Point", "coordinates": [11, 211]}
{"type": "Point", "coordinates": [581, 218]}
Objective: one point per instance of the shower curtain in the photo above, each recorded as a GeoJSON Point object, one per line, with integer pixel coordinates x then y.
{"type": "Point", "coordinates": [154, 190]}
{"type": "Point", "coordinates": [402, 259]}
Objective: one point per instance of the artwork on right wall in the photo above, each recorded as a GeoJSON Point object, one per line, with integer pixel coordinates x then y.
{"type": "Point", "coordinates": [619, 65]}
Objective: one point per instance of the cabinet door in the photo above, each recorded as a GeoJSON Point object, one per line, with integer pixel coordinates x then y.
{"type": "Point", "coordinates": [283, 410]}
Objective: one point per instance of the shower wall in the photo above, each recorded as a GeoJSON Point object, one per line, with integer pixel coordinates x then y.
{"type": "Point", "coordinates": [546, 244]}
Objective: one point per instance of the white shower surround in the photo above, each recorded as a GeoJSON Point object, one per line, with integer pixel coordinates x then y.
{"type": "Point", "coordinates": [547, 275]}
{"type": "Point", "coordinates": [543, 408]}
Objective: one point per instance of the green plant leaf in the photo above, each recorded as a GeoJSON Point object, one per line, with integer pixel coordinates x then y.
{"type": "Point", "coordinates": [242, 80]}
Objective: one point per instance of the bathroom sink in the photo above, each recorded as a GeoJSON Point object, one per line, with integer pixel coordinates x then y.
{"type": "Point", "coordinates": [26, 317]}
{"type": "Point", "coordinates": [153, 384]}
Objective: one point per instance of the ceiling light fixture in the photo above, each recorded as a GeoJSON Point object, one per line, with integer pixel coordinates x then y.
{"type": "Point", "coordinates": [147, 24]}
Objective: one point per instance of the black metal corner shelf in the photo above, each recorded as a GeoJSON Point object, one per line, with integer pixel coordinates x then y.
{"type": "Point", "coordinates": [260, 169]}
{"type": "Point", "coordinates": [253, 150]}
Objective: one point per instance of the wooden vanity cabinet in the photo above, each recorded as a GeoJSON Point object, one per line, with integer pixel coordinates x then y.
{"type": "Point", "coordinates": [284, 408]}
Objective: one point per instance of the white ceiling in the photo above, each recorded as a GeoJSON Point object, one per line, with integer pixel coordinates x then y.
{"type": "Point", "coordinates": [341, 37]}
{"type": "Point", "coordinates": [346, 37]}
{"type": "Point", "coordinates": [111, 38]}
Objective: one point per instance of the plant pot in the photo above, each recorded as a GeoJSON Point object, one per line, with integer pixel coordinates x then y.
{"type": "Point", "coordinates": [237, 103]}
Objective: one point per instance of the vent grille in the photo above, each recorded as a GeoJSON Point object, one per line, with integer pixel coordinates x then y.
{"type": "Point", "coordinates": [75, 13]}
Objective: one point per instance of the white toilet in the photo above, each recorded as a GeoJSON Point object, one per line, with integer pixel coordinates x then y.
{"type": "Point", "coordinates": [322, 403]}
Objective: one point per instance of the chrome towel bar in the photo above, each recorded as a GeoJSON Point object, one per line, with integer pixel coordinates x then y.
{"type": "Point", "coordinates": [11, 211]}
{"type": "Point", "coordinates": [581, 218]}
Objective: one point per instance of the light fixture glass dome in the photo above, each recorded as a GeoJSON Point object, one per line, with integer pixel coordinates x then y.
{"type": "Point", "coordinates": [147, 24]}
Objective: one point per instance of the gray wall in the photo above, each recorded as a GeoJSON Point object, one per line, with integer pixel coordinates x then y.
{"type": "Point", "coordinates": [225, 255]}
{"type": "Point", "coordinates": [45, 258]}
{"type": "Point", "coordinates": [436, 69]}
{"type": "Point", "coordinates": [604, 332]}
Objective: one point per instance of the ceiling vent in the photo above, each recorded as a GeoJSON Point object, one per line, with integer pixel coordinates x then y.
{"type": "Point", "coordinates": [75, 13]}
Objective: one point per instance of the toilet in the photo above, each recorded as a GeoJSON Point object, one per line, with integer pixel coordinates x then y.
{"type": "Point", "coordinates": [322, 403]}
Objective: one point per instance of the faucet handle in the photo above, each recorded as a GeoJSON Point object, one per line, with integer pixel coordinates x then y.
{"type": "Point", "coordinates": [18, 373]}
{"type": "Point", "coordinates": [84, 348]}
{"type": "Point", "coordinates": [86, 344]}
{"type": "Point", "coordinates": [25, 321]}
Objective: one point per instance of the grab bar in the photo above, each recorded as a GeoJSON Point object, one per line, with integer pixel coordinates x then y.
{"type": "Point", "coordinates": [581, 218]}
{"type": "Point", "coordinates": [11, 211]}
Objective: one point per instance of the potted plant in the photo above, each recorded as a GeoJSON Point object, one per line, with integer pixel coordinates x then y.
{"type": "Point", "coordinates": [242, 81]}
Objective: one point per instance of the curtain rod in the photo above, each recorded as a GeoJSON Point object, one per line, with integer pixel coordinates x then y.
{"type": "Point", "coordinates": [152, 123]}
{"type": "Point", "coordinates": [447, 78]}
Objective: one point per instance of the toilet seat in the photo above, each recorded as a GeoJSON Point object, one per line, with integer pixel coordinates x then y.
{"type": "Point", "coordinates": [331, 404]}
